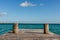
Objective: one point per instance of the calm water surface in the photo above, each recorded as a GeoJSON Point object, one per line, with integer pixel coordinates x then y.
{"type": "Point", "coordinates": [5, 28]}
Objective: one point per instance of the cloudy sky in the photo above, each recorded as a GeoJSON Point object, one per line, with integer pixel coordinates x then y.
{"type": "Point", "coordinates": [30, 11]}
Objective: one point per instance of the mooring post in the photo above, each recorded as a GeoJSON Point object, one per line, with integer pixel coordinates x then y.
{"type": "Point", "coordinates": [46, 28]}
{"type": "Point", "coordinates": [15, 28]}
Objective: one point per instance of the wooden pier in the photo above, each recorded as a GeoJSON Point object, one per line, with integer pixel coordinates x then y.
{"type": "Point", "coordinates": [30, 34]}
{"type": "Point", "coordinates": [46, 28]}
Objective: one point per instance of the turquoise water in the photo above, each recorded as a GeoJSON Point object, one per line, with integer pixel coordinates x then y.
{"type": "Point", "coordinates": [5, 28]}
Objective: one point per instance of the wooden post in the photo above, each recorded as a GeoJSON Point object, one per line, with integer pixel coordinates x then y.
{"type": "Point", "coordinates": [15, 28]}
{"type": "Point", "coordinates": [46, 28]}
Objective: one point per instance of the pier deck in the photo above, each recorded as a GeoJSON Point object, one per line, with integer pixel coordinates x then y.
{"type": "Point", "coordinates": [30, 34]}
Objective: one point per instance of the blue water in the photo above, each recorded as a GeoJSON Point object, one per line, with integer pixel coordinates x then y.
{"type": "Point", "coordinates": [5, 28]}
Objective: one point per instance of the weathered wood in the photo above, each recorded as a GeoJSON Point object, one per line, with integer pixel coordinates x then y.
{"type": "Point", "coordinates": [15, 28]}
{"type": "Point", "coordinates": [46, 28]}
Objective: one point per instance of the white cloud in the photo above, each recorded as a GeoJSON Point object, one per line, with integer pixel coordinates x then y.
{"type": "Point", "coordinates": [26, 4]}
{"type": "Point", "coordinates": [3, 13]}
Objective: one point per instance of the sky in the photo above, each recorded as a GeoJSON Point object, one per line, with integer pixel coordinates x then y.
{"type": "Point", "coordinates": [30, 11]}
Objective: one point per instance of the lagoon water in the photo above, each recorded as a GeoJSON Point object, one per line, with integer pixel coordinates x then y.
{"type": "Point", "coordinates": [5, 28]}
